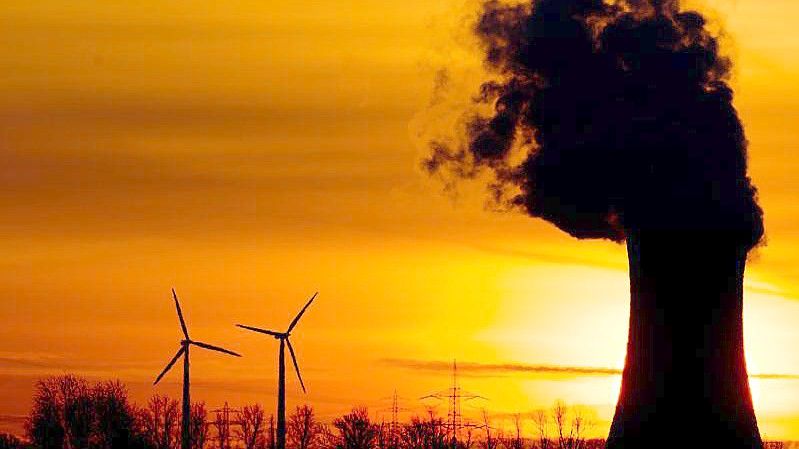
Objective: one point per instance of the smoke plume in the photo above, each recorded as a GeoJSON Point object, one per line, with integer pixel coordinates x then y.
{"type": "Point", "coordinates": [623, 114]}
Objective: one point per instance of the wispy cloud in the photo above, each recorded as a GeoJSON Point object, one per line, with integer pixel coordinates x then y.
{"type": "Point", "coordinates": [500, 368]}
{"type": "Point", "coordinates": [497, 369]}
{"type": "Point", "coordinates": [41, 362]}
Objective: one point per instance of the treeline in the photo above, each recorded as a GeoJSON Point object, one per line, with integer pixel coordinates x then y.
{"type": "Point", "coordinates": [70, 413]}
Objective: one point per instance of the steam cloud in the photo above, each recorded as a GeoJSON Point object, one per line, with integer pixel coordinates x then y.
{"type": "Point", "coordinates": [622, 112]}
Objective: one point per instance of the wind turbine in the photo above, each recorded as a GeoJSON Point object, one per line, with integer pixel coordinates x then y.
{"type": "Point", "coordinates": [185, 440]}
{"type": "Point", "coordinates": [281, 383]}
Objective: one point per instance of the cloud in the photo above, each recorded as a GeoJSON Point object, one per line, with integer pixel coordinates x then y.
{"type": "Point", "coordinates": [42, 363]}
{"type": "Point", "coordinates": [475, 368]}
{"type": "Point", "coordinates": [497, 369]}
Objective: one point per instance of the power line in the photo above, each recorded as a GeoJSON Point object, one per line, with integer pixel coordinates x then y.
{"type": "Point", "coordinates": [455, 396]}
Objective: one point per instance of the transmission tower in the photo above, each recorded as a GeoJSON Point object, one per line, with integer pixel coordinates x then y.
{"type": "Point", "coordinates": [223, 423]}
{"type": "Point", "coordinates": [394, 425]}
{"type": "Point", "coordinates": [455, 396]}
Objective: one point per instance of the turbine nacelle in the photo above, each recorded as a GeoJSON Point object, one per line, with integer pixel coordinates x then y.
{"type": "Point", "coordinates": [284, 337]}
{"type": "Point", "coordinates": [186, 342]}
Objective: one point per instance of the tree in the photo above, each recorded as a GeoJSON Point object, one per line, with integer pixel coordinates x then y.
{"type": "Point", "coordinates": [271, 437]}
{"type": "Point", "coordinates": [160, 422]}
{"type": "Point", "coordinates": [252, 425]}
{"type": "Point", "coordinates": [44, 425]}
{"type": "Point", "coordinates": [62, 415]}
{"type": "Point", "coordinates": [8, 441]}
{"type": "Point", "coordinates": [327, 438]}
{"type": "Point", "coordinates": [356, 430]}
{"type": "Point", "coordinates": [302, 429]}
{"type": "Point", "coordinates": [422, 433]}
{"type": "Point", "coordinates": [541, 420]}
{"type": "Point", "coordinates": [77, 409]}
{"type": "Point", "coordinates": [515, 441]}
{"type": "Point", "coordinates": [466, 440]}
{"type": "Point", "coordinates": [492, 438]}
{"type": "Point", "coordinates": [571, 424]}
{"type": "Point", "coordinates": [198, 425]}
{"type": "Point", "coordinates": [114, 418]}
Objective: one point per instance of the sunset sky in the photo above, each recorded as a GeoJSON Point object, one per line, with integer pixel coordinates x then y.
{"type": "Point", "coordinates": [250, 153]}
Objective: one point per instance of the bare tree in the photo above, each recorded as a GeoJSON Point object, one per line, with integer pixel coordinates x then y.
{"type": "Point", "coordinates": [327, 438]}
{"type": "Point", "coordinates": [541, 420]}
{"type": "Point", "coordinates": [467, 438]}
{"type": "Point", "coordinates": [383, 435]}
{"type": "Point", "coordinates": [572, 425]}
{"type": "Point", "coordinates": [492, 438]}
{"type": "Point", "coordinates": [198, 425]}
{"type": "Point", "coordinates": [63, 414]}
{"type": "Point", "coordinates": [44, 426]}
{"type": "Point", "coordinates": [160, 420]}
{"type": "Point", "coordinates": [559, 413]}
{"type": "Point", "coordinates": [113, 415]}
{"type": "Point", "coordinates": [303, 430]}
{"type": "Point", "coordinates": [583, 422]}
{"type": "Point", "coordinates": [356, 430]}
{"type": "Point", "coordinates": [271, 437]}
{"type": "Point", "coordinates": [424, 434]}
{"type": "Point", "coordinates": [77, 410]}
{"type": "Point", "coordinates": [515, 440]}
{"type": "Point", "coordinates": [252, 422]}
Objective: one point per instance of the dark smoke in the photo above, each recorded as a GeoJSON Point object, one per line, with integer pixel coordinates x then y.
{"type": "Point", "coordinates": [623, 112]}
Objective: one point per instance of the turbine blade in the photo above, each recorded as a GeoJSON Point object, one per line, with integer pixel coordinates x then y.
{"type": "Point", "coordinates": [180, 315]}
{"type": "Point", "coordinates": [214, 348]}
{"type": "Point", "coordinates": [296, 367]}
{"type": "Point", "coordinates": [297, 318]}
{"type": "Point", "coordinates": [169, 365]}
{"type": "Point", "coordinates": [263, 331]}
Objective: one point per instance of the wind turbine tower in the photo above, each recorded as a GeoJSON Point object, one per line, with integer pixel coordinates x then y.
{"type": "Point", "coordinates": [185, 437]}
{"type": "Point", "coordinates": [283, 337]}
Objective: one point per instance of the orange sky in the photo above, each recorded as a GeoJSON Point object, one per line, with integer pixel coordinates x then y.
{"type": "Point", "coordinates": [250, 153]}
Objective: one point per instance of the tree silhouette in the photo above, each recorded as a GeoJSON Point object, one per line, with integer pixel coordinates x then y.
{"type": "Point", "coordinates": [114, 416]}
{"type": "Point", "coordinates": [252, 423]}
{"type": "Point", "coordinates": [271, 433]}
{"type": "Point", "coordinates": [515, 440]}
{"type": "Point", "coordinates": [8, 441]}
{"type": "Point", "coordinates": [45, 426]}
{"type": "Point", "coordinates": [356, 430]}
{"type": "Point", "coordinates": [198, 425]}
{"type": "Point", "coordinates": [62, 414]}
{"type": "Point", "coordinates": [302, 430]}
{"type": "Point", "coordinates": [77, 409]}
{"type": "Point", "coordinates": [571, 424]}
{"type": "Point", "coordinates": [492, 437]}
{"type": "Point", "coordinates": [160, 420]}
{"type": "Point", "coordinates": [69, 413]}
{"type": "Point", "coordinates": [541, 420]}
{"type": "Point", "coordinates": [421, 433]}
